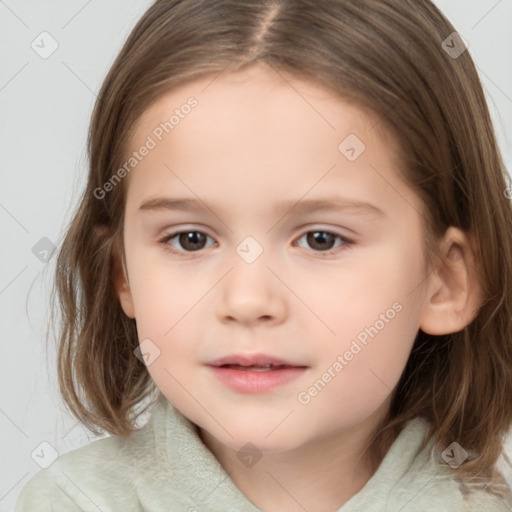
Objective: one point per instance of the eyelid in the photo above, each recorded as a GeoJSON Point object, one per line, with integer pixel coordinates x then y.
{"type": "Point", "coordinates": [304, 230]}
{"type": "Point", "coordinates": [346, 242]}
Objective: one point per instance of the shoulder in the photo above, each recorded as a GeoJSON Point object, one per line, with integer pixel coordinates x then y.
{"type": "Point", "coordinates": [412, 477]}
{"type": "Point", "coordinates": [482, 498]}
{"type": "Point", "coordinates": [83, 479]}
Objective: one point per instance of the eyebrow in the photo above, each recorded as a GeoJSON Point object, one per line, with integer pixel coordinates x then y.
{"type": "Point", "coordinates": [301, 206]}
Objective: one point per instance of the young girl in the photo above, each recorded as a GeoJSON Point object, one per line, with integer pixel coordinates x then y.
{"type": "Point", "coordinates": [295, 251]}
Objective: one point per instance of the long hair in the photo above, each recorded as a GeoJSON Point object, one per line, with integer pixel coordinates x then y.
{"type": "Point", "coordinates": [389, 56]}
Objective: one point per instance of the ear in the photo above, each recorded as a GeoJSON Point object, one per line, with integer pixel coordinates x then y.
{"type": "Point", "coordinates": [454, 292]}
{"type": "Point", "coordinates": [121, 284]}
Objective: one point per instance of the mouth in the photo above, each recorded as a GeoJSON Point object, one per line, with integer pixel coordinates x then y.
{"type": "Point", "coordinates": [254, 361]}
{"type": "Point", "coordinates": [256, 368]}
{"type": "Point", "coordinates": [255, 373]}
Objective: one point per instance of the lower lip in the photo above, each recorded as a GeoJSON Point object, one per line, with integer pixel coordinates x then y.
{"type": "Point", "coordinates": [247, 381]}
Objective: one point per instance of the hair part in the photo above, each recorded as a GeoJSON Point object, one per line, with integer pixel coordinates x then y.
{"type": "Point", "coordinates": [384, 55]}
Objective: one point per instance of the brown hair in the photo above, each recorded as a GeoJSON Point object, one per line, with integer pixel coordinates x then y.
{"type": "Point", "coordinates": [387, 56]}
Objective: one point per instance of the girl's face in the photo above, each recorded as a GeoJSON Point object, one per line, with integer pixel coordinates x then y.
{"type": "Point", "coordinates": [279, 265]}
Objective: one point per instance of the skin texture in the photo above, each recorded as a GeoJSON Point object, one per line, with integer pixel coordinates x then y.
{"type": "Point", "coordinates": [257, 138]}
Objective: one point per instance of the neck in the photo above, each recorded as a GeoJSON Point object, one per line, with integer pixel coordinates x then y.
{"type": "Point", "coordinates": [321, 475]}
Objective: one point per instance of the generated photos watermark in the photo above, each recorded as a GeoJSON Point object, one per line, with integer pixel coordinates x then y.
{"type": "Point", "coordinates": [152, 140]}
{"type": "Point", "coordinates": [342, 360]}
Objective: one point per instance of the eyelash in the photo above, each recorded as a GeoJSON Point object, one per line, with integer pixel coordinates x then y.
{"type": "Point", "coordinates": [165, 242]}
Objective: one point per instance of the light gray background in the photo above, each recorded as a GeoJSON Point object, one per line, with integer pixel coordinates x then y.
{"type": "Point", "coordinates": [45, 106]}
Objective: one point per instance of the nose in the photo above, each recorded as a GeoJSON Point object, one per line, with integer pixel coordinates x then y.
{"type": "Point", "coordinates": [251, 294]}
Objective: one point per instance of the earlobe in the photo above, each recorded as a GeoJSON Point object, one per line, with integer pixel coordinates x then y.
{"type": "Point", "coordinates": [454, 293]}
{"type": "Point", "coordinates": [126, 301]}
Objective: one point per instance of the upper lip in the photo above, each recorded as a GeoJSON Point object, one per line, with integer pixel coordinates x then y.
{"type": "Point", "coordinates": [251, 360]}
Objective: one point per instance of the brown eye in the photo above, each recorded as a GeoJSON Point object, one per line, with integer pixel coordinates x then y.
{"type": "Point", "coordinates": [189, 241]}
{"type": "Point", "coordinates": [192, 240]}
{"type": "Point", "coordinates": [324, 241]}
{"type": "Point", "coordinates": [321, 240]}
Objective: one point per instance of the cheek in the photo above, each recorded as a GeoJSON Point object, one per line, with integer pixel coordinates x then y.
{"type": "Point", "coordinates": [357, 377]}
{"type": "Point", "coordinates": [381, 348]}
{"type": "Point", "coordinates": [168, 323]}
{"type": "Point", "coordinates": [165, 292]}
{"type": "Point", "coordinates": [170, 315]}
{"type": "Point", "coordinates": [375, 317]}
{"type": "Point", "coordinates": [370, 289]}
{"type": "Point", "coordinates": [167, 305]}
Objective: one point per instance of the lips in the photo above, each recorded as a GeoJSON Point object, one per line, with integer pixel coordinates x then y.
{"type": "Point", "coordinates": [255, 368]}
{"type": "Point", "coordinates": [257, 373]}
{"type": "Point", "coordinates": [259, 362]}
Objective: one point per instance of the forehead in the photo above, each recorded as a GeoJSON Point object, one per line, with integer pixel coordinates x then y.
{"type": "Point", "coordinates": [260, 130]}
{"type": "Point", "coordinates": [261, 95]}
